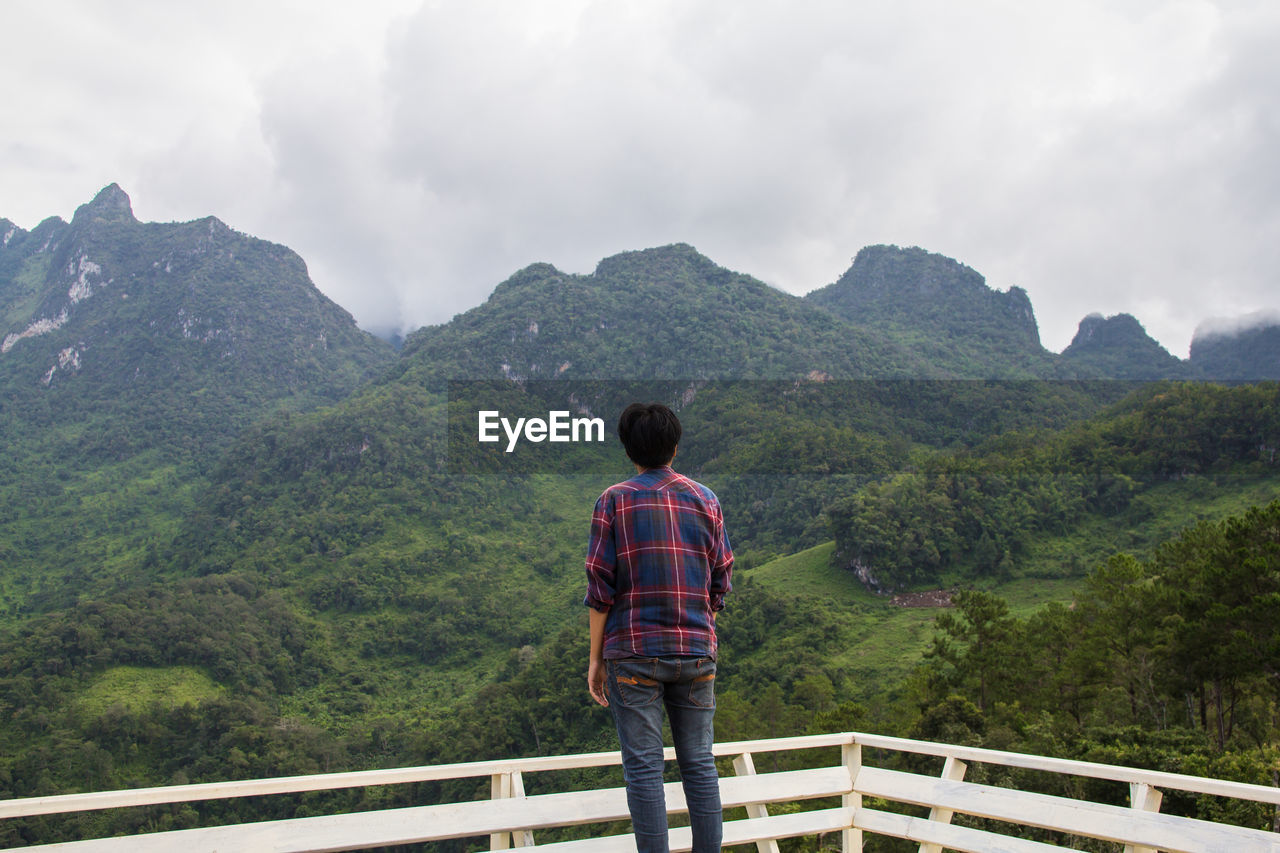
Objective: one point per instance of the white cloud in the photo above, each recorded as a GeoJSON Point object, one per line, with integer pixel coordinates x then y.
{"type": "Point", "coordinates": [1105, 157]}
{"type": "Point", "coordinates": [1234, 325]}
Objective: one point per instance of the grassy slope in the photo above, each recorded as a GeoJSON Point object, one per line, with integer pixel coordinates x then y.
{"type": "Point", "coordinates": [137, 688]}
{"type": "Point", "coordinates": [884, 642]}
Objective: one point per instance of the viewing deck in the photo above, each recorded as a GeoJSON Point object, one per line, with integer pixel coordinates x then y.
{"type": "Point", "coordinates": [845, 790]}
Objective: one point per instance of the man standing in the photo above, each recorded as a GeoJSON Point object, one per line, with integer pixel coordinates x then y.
{"type": "Point", "coordinates": [658, 567]}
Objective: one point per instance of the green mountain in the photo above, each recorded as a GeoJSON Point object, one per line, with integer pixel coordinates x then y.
{"type": "Point", "coordinates": [944, 311]}
{"type": "Point", "coordinates": [1119, 348]}
{"type": "Point", "coordinates": [110, 312]}
{"type": "Point", "coordinates": [338, 598]}
{"type": "Point", "coordinates": [238, 538]}
{"type": "Point", "coordinates": [131, 355]}
{"type": "Point", "coordinates": [665, 313]}
{"type": "Point", "coordinates": [940, 309]}
{"type": "Point", "coordinates": [1245, 354]}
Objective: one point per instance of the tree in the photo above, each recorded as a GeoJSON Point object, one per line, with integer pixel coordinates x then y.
{"type": "Point", "coordinates": [1225, 586]}
{"type": "Point", "coordinates": [980, 640]}
{"type": "Point", "coordinates": [1120, 624]}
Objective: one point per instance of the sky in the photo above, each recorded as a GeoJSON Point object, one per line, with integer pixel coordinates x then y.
{"type": "Point", "coordinates": [1108, 157]}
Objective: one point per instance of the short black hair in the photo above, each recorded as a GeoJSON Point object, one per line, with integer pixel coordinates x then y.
{"type": "Point", "coordinates": [649, 433]}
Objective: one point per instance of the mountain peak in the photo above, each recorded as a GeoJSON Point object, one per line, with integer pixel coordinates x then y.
{"type": "Point", "coordinates": [1230, 327]}
{"type": "Point", "coordinates": [1120, 327]}
{"type": "Point", "coordinates": [1240, 348]}
{"type": "Point", "coordinates": [1119, 347]}
{"type": "Point", "coordinates": [653, 262]}
{"type": "Point", "coordinates": [111, 204]}
{"type": "Point", "coordinates": [910, 269]}
{"type": "Point", "coordinates": [940, 301]}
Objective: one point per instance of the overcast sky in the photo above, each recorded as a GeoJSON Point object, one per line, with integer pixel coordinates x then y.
{"type": "Point", "coordinates": [1106, 156]}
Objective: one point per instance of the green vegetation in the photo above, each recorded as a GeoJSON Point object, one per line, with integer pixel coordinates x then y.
{"type": "Point", "coordinates": [139, 689]}
{"type": "Point", "coordinates": [1246, 355]}
{"type": "Point", "coordinates": [941, 310]}
{"type": "Point", "coordinates": [978, 514]}
{"type": "Point", "coordinates": [1168, 662]}
{"type": "Point", "coordinates": [617, 324]}
{"type": "Point", "coordinates": [338, 598]}
{"type": "Point", "coordinates": [1118, 347]}
{"type": "Point", "coordinates": [293, 558]}
{"type": "Point", "coordinates": [160, 345]}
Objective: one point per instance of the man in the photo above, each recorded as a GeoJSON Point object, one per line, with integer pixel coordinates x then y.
{"type": "Point", "coordinates": [658, 567]}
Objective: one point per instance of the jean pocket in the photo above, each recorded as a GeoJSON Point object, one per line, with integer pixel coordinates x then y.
{"type": "Point", "coordinates": [699, 691]}
{"type": "Point", "coordinates": [634, 683]}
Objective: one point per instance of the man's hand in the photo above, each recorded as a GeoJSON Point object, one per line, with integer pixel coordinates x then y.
{"type": "Point", "coordinates": [595, 669]}
{"type": "Point", "coordinates": [595, 682]}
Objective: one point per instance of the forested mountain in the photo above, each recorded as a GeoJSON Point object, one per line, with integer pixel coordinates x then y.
{"type": "Point", "coordinates": [940, 309]}
{"type": "Point", "coordinates": [1247, 354]}
{"type": "Point", "coordinates": [132, 354]}
{"type": "Point", "coordinates": [897, 312]}
{"type": "Point", "coordinates": [238, 538]}
{"type": "Point", "coordinates": [110, 312]}
{"type": "Point", "coordinates": [944, 311]}
{"type": "Point", "coordinates": [665, 313]}
{"type": "Point", "coordinates": [1119, 348]}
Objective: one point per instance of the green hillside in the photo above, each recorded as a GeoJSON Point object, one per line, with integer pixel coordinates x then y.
{"type": "Point", "coordinates": [228, 551]}
{"type": "Point", "coordinates": [665, 313]}
{"type": "Point", "coordinates": [1248, 354]}
{"type": "Point", "coordinates": [1119, 348]}
{"type": "Point", "coordinates": [133, 354]}
{"type": "Point", "coordinates": [388, 611]}
{"type": "Point", "coordinates": [984, 514]}
{"type": "Point", "coordinates": [941, 309]}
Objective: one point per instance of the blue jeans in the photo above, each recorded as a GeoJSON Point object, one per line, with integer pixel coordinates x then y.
{"type": "Point", "coordinates": [639, 689]}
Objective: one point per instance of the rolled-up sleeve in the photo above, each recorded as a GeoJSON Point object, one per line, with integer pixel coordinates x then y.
{"type": "Point", "coordinates": [721, 560]}
{"type": "Point", "coordinates": [601, 557]}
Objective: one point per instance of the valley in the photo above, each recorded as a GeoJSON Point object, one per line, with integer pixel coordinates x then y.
{"type": "Point", "coordinates": [239, 537]}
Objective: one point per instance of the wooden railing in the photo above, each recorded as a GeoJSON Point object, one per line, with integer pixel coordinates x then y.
{"type": "Point", "coordinates": [840, 796]}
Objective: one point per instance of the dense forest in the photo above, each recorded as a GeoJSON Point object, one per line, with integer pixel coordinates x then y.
{"type": "Point", "coordinates": [977, 514]}
{"type": "Point", "coordinates": [288, 554]}
{"type": "Point", "coordinates": [317, 627]}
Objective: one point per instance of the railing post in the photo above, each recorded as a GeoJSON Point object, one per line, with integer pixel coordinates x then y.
{"type": "Point", "coordinates": [1145, 798]}
{"type": "Point", "coordinates": [851, 837]}
{"type": "Point", "coordinates": [503, 786]}
{"type": "Point", "coordinates": [952, 769]}
{"type": "Point", "coordinates": [743, 765]}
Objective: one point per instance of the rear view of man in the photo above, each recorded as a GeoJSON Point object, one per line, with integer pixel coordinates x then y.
{"type": "Point", "coordinates": [658, 567]}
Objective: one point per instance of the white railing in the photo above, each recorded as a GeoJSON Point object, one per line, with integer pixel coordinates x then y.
{"type": "Point", "coordinates": [841, 793]}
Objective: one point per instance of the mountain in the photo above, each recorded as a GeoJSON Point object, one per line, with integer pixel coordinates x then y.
{"type": "Point", "coordinates": [224, 556]}
{"type": "Point", "coordinates": [939, 309]}
{"type": "Point", "coordinates": [131, 355]}
{"type": "Point", "coordinates": [1247, 352]}
{"type": "Point", "coordinates": [667, 312]}
{"type": "Point", "coordinates": [1119, 347]}
{"type": "Point", "coordinates": [110, 314]}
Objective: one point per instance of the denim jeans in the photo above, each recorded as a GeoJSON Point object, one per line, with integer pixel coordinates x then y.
{"type": "Point", "coordinates": [639, 689]}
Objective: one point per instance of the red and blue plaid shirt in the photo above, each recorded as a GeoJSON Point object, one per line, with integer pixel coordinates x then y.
{"type": "Point", "coordinates": [659, 560]}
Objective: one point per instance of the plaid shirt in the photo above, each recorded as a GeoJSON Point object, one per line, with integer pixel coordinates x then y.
{"type": "Point", "coordinates": [659, 560]}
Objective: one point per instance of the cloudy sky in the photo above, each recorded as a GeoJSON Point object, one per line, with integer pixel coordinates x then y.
{"type": "Point", "coordinates": [1106, 156]}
